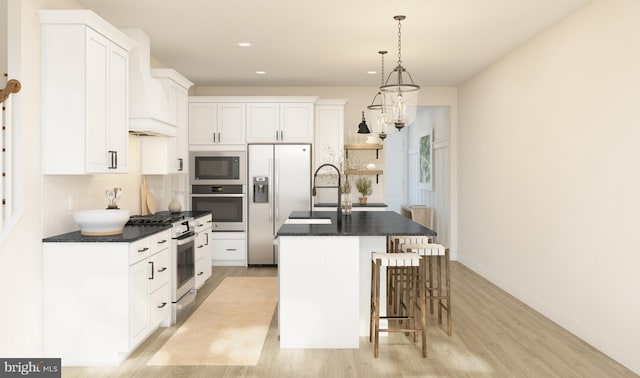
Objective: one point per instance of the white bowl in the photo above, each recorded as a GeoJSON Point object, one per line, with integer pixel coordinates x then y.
{"type": "Point", "coordinates": [101, 222]}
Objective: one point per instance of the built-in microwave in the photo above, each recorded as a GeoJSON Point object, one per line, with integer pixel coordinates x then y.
{"type": "Point", "coordinates": [218, 167]}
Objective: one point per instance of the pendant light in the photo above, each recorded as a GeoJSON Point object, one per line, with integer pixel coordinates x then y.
{"type": "Point", "coordinates": [382, 118]}
{"type": "Point", "coordinates": [362, 127]}
{"type": "Point", "coordinates": [401, 95]}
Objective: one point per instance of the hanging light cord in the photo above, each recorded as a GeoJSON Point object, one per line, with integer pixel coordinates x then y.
{"type": "Point", "coordinates": [399, 40]}
{"type": "Point", "coordinates": [382, 65]}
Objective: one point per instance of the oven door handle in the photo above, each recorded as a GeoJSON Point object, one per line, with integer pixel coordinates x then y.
{"type": "Point", "coordinates": [186, 240]}
{"type": "Point", "coordinates": [218, 195]}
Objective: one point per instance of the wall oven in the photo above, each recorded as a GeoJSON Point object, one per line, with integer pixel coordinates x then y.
{"type": "Point", "coordinates": [218, 167]}
{"type": "Point", "coordinates": [228, 203]}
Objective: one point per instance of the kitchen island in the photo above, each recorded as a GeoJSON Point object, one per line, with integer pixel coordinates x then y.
{"type": "Point", "coordinates": [325, 273]}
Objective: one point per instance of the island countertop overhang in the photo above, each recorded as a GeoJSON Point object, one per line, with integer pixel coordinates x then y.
{"type": "Point", "coordinates": [365, 223]}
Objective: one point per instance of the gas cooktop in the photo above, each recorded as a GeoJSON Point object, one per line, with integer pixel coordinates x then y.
{"type": "Point", "coordinates": [161, 217]}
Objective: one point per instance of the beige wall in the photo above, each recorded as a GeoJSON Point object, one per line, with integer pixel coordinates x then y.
{"type": "Point", "coordinates": [549, 184]}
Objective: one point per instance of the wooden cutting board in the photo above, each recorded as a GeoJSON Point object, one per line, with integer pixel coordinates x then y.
{"type": "Point", "coordinates": [151, 203]}
{"type": "Point", "coordinates": [144, 210]}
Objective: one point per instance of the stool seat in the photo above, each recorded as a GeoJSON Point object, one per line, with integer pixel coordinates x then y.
{"type": "Point", "coordinates": [396, 259]}
{"type": "Point", "coordinates": [427, 249]}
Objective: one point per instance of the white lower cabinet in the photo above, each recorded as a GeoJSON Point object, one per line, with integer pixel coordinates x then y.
{"type": "Point", "coordinates": [204, 246]}
{"type": "Point", "coordinates": [229, 248]}
{"type": "Point", "coordinates": [101, 300]}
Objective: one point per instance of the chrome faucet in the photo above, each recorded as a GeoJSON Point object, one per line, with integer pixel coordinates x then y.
{"type": "Point", "coordinates": [339, 187]}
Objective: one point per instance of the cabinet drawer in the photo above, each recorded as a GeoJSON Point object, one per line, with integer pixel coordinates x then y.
{"type": "Point", "coordinates": [139, 250]}
{"type": "Point", "coordinates": [229, 249]}
{"type": "Point", "coordinates": [143, 248]}
{"type": "Point", "coordinates": [160, 241]}
{"type": "Point", "coordinates": [161, 269]}
{"type": "Point", "coordinates": [203, 223]}
{"type": "Point", "coordinates": [160, 303]}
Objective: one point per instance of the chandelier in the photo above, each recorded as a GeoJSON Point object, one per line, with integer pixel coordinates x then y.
{"type": "Point", "coordinates": [382, 119]}
{"type": "Point", "coordinates": [401, 95]}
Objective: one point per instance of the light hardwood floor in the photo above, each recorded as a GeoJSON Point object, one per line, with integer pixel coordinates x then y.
{"type": "Point", "coordinates": [494, 335]}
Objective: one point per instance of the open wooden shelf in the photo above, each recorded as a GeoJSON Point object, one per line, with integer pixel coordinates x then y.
{"type": "Point", "coordinates": [362, 172]}
{"type": "Point", "coordinates": [366, 146]}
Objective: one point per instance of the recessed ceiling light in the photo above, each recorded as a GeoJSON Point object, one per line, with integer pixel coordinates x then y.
{"type": "Point", "coordinates": [372, 72]}
{"type": "Point", "coordinates": [244, 44]}
{"type": "Point", "coordinates": [261, 72]}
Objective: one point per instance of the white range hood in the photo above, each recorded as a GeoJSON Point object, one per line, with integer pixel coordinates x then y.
{"type": "Point", "coordinates": [148, 103]}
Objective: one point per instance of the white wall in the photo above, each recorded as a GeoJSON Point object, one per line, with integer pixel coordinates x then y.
{"type": "Point", "coordinates": [549, 184]}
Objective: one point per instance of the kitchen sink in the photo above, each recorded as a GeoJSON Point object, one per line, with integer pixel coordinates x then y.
{"type": "Point", "coordinates": [308, 221]}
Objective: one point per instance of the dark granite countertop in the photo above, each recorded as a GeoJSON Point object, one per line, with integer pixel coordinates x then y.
{"type": "Point", "coordinates": [359, 223]}
{"type": "Point", "coordinates": [355, 204]}
{"type": "Point", "coordinates": [129, 234]}
{"type": "Point", "coordinates": [195, 214]}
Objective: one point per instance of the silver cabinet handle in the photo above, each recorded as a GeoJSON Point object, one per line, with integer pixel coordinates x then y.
{"type": "Point", "coordinates": [162, 305]}
{"type": "Point", "coordinates": [281, 135]}
{"type": "Point", "coordinates": [214, 137]}
{"type": "Point", "coordinates": [232, 249]}
{"type": "Point", "coordinates": [201, 273]}
{"type": "Point", "coordinates": [145, 249]}
{"type": "Point", "coordinates": [162, 241]}
{"type": "Point", "coordinates": [162, 270]}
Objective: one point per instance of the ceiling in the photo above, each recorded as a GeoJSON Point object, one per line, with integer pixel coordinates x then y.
{"type": "Point", "coordinates": [331, 42]}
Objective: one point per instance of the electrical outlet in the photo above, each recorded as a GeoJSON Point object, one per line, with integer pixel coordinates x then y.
{"type": "Point", "coordinates": [70, 203]}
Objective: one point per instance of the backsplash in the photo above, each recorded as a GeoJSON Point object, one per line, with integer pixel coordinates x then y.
{"type": "Point", "coordinates": [64, 194]}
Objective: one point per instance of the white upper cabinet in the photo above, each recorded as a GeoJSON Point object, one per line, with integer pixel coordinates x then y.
{"type": "Point", "coordinates": [213, 123]}
{"type": "Point", "coordinates": [84, 94]}
{"type": "Point", "coordinates": [329, 132]}
{"type": "Point", "coordinates": [283, 122]}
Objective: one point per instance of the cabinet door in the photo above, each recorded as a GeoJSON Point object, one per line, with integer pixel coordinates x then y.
{"type": "Point", "coordinates": [296, 123]}
{"type": "Point", "coordinates": [182, 123]}
{"type": "Point", "coordinates": [263, 123]}
{"type": "Point", "coordinates": [96, 134]}
{"type": "Point", "coordinates": [106, 105]}
{"type": "Point", "coordinates": [139, 275]}
{"type": "Point", "coordinates": [329, 135]}
{"type": "Point", "coordinates": [118, 108]}
{"type": "Point", "coordinates": [203, 120]}
{"type": "Point", "coordinates": [231, 123]}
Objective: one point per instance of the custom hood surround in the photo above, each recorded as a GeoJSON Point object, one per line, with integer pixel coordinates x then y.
{"type": "Point", "coordinates": [149, 112]}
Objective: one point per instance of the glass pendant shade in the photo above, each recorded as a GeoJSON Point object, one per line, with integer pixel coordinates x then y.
{"type": "Point", "coordinates": [399, 92]}
{"type": "Point", "coordinates": [403, 103]}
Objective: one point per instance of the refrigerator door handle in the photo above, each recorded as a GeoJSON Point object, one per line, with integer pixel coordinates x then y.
{"type": "Point", "coordinates": [271, 191]}
{"type": "Point", "coordinates": [277, 190]}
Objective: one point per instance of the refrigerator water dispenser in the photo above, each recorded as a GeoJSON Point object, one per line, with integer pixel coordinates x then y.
{"type": "Point", "coordinates": [260, 189]}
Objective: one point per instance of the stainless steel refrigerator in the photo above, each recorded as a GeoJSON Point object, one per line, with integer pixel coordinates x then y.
{"type": "Point", "coordinates": [279, 183]}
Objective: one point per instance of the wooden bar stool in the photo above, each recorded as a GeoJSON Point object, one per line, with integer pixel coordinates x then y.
{"type": "Point", "coordinates": [409, 284]}
{"type": "Point", "coordinates": [434, 288]}
{"type": "Point", "coordinates": [394, 245]}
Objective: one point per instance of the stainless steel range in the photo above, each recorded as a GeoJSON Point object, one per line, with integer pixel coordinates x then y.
{"type": "Point", "coordinates": [183, 287]}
